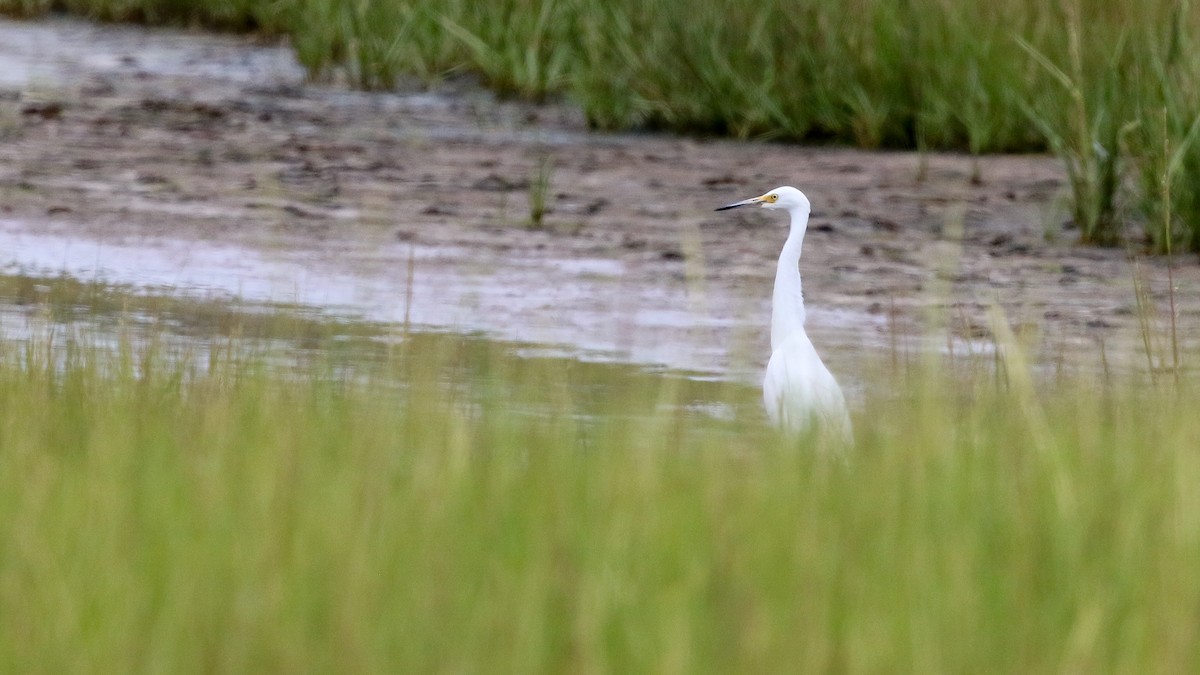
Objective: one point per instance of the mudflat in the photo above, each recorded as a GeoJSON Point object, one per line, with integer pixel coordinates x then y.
{"type": "Point", "coordinates": [178, 142]}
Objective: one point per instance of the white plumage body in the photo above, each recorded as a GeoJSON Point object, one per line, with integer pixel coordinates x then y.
{"type": "Point", "coordinates": [799, 391]}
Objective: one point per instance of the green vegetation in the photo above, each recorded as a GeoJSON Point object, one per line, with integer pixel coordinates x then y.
{"type": "Point", "coordinates": [441, 503]}
{"type": "Point", "coordinates": [539, 191]}
{"type": "Point", "coordinates": [453, 506]}
{"type": "Point", "coordinates": [1109, 86]}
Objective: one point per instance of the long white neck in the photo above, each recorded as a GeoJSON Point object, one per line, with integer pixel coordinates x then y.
{"type": "Point", "coordinates": [787, 303]}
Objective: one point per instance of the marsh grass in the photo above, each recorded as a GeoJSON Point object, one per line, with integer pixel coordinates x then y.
{"type": "Point", "coordinates": [457, 506]}
{"type": "Point", "coordinates": [875, 73]}
{"type": "Point", "coordinates": [1087, 135]}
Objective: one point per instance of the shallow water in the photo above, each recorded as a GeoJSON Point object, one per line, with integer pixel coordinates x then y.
{"type": "Point", "coordinates": [59, 321]}
{"type": "Point", "coordinates": [580, 307]}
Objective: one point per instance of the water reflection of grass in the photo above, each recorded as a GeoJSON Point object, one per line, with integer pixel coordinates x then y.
{"type": "Point", "coordinates": [494, 512]}
{"type": "Point", "coordinates": [65, 298]}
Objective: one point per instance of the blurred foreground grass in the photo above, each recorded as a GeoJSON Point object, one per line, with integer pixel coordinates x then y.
{"type": "Point", "coordinates": [464, 509]}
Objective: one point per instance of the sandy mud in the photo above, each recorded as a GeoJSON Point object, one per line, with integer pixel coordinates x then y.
{"type": "Point", "coordinates": [207, 164]}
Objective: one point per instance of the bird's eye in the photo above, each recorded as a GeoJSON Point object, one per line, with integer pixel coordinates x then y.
{"type": "Point", "coordinates": [774, 198]}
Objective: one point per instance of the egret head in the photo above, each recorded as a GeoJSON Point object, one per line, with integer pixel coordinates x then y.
{"type": "Point", "coordinates": [786, 197]}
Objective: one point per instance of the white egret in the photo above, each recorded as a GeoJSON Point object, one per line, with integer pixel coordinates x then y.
{"type": "Point", "coordinates": [798, 390]}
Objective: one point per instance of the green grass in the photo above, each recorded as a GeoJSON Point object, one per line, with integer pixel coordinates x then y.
{"type": "Point", "coordinates": [456, 507]}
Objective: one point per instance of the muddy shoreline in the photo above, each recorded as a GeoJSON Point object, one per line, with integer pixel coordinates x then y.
{"type": "Point", "coordinates": [122, 139]}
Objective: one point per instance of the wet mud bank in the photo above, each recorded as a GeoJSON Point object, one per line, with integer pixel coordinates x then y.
{"type": "Point", "coordinates": [207, 164]}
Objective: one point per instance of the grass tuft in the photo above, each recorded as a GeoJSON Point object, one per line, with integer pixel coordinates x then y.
{"type": "Point", "coordinates": [539, 191]}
